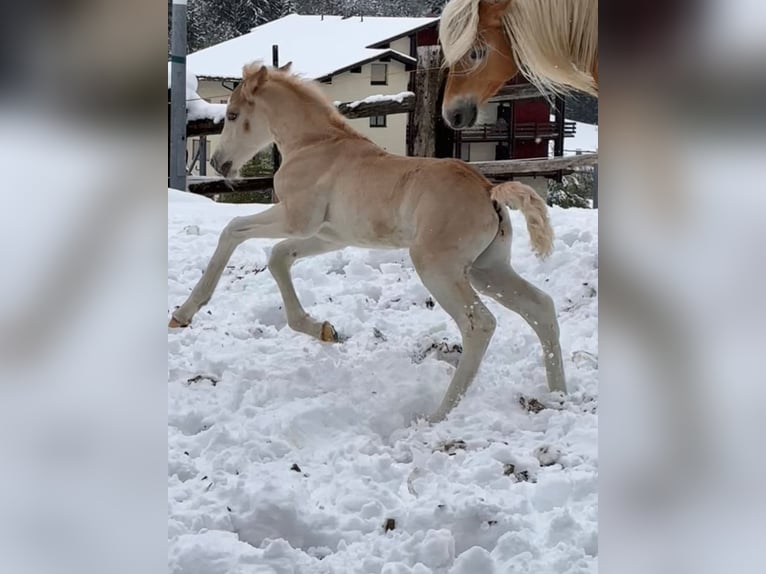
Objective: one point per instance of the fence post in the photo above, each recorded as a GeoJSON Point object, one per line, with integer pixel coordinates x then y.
{"type": "Point", "coordinates": [177, 167]}
{"type": "Point", "coordinates": [427, 82]}
{"type": "Point", "coordinates": [276, 158]}
{"type": "Point", "coordinates": [595, 186]}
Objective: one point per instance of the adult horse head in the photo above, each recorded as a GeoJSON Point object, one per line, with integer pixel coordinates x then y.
{"type": "Point", "coordinates": [554, 43]}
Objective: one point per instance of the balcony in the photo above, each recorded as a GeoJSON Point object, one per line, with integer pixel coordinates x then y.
{"type": "Point", "coordinates": [521, 131]}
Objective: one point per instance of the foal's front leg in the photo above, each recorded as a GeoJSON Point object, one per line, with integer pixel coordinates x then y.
{"type": "Point", "coordinates": [282, 258]}
{"type": "Point", "coordinates": [268, 224]}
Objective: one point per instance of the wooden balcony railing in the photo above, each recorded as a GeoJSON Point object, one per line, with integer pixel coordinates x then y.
{"type": "Point", "coordinates": [522, 131]}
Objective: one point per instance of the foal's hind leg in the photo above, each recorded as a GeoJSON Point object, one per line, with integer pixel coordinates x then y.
{"type": "Point", "coordinates": [282, 258]}
{"type": "Point", "coordinates": [492, 275]}
{"type": "Point", "coordinates": [448, 283]}
{"type": "Point", "coordinates": [268, 224]}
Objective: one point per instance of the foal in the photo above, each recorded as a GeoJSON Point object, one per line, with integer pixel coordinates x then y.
{"type": "Point", "coordinates": [338, 189]}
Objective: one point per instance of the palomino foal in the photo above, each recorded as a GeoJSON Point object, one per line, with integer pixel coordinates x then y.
{"type": "Point", "coordinates": [338, 189]}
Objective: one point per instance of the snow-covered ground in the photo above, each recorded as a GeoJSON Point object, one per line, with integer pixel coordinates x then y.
{"type": "Point", "coordinates": [289, 456]}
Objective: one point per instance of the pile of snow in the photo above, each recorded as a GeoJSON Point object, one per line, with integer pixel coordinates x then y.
{"type": "Point", "coordinates": [196, 107]}
{"type": "Point", "coordinates": [288, 455]}
{"type": "Point", "coordinates": [376, 99]}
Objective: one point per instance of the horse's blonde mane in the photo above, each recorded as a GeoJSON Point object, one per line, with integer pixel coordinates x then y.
{"type": "Point", "coordinates": [554, 42]}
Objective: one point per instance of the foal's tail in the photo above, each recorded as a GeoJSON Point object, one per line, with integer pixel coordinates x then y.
{"type": "Point", "coordinates": [525, 199]}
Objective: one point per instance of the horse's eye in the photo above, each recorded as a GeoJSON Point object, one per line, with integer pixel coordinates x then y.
{"type": "Point", "coordinates": [231, 116]}
{"type": "Point", "coordinates": [477, 54]}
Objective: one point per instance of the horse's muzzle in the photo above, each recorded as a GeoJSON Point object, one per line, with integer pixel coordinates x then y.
{"type": "Point", "coordinates": [461, 115]}
{"type": "Point", "coordinates": [223, 168]}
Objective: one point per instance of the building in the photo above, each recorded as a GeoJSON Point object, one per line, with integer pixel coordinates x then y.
{"type": "Point", "coordinates": [352, 58]}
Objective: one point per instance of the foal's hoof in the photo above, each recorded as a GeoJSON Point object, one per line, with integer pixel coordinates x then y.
{"type": "Point", "coordinates": [174, 324]}
{"type": "Point", "coordinates": [328, 333]}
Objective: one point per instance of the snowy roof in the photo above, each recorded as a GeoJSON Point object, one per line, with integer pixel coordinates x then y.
{"type": "Point", "coordinates": [318, 46]}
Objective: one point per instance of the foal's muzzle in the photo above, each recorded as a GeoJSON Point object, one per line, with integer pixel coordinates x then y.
{"type": "Point", "coordinates": [461, 114]}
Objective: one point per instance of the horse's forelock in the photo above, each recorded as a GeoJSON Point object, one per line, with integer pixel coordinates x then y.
{"type": "Point", "coordinates": [458, 28]}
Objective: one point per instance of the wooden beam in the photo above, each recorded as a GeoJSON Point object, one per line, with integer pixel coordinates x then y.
{"type": "Point", "coordinates": [540, 165]}
{"type": "Point", "coordinates": [222, 186]}
{"type": "Point", "coordinates": [196, 128]}
{"type": "Point", "coordinates": [516, 92]}
{"type": "Point", "coordinates": [368, 109]}
{"type": "Point", "coordinates": [208, 127]}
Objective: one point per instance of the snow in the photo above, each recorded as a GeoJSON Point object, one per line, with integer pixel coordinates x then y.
{"type": "Point", "coordinates": [584, 140]}
{"type": "Point", "coordinates": [378, 98]}
{"type": "Point", "coordinates": [196, 107]}
{"type": "Point", "coordinates": [289, 455]}
{"type": "Point", "coordinates": [317, 46]}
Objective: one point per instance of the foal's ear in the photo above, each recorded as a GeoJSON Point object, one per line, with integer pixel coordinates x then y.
{"type": "Point", "coordinates": [254, 76]}
{"type": "Point", "coordinates": [491, 11]}
{"type": "Point", "coordinates": [286, 68]}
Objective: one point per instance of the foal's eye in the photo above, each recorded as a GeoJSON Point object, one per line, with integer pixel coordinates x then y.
{"type": "Point", "coordinates": [477, 54]}
{"type": "Point", "coordinates": [231, 116]}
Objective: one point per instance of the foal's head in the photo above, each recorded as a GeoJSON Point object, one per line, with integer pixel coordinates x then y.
{"type": "Point", "coordinates": [479, 56]}
{"type": "Point", "coordinates": [246, 128]}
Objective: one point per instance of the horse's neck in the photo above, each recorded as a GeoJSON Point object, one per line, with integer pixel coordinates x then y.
{"type": "Point", "coordinates": [297, 121]}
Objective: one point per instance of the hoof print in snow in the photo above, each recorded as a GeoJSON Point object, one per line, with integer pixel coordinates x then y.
{"type": "Point", "coordinates": [585, 359]}
{"type": "Point", "coordinates": [295, 468]}
{"type": "Point", "coordinates": [191, 230]}
{"type": "Point", "coordinates": [452, 446]}
{"type": "Point", "coordinates": [378, 334]}
{"type": "Point", "coordinates": [430, 303]}
{"type": "Point", "coordinates": [519, 475]}
{"type": "Point", "coordinates": [390, 524]}
{"type": "Point", "coordinates": [531, 405]}
{"type": "Point", "coordinates": [199, 378]}
{"type": "Point", "coordinates": [547, 455]}
{"type": "Point", "coordinates": [444, 351]}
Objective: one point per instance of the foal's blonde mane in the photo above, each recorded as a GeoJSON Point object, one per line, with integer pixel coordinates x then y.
{"type": "Point", "coordinates": [554, 42]}
{"type": "Point", "coordinates": [307, 90]}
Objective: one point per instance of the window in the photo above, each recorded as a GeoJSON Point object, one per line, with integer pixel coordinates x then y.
{"type": "Point", "coordinates": [379, 74]}
{"type": "Point", "coordinates": [356, 70]}
{"type": "Point", "coordinates": [378, 121]}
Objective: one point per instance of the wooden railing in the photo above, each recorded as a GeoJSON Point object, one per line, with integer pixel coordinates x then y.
{"type": "Point", "coordinates": [522, 131]}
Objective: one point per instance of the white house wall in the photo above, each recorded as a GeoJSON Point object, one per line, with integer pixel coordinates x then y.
{"type": "Point", "coordinates": [348, 87]}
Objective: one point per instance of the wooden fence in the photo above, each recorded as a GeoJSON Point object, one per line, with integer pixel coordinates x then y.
{"type": "Point", "coordinates": [494, 170]}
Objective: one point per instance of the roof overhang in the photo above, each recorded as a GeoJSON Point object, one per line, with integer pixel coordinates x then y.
{"type": "Point", "coordinates": [409, 63]}
{"type": "Point", "coordinates": [435, 22]}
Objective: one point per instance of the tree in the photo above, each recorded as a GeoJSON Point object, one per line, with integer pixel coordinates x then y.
{"type": "Point", "coordinates": [214, 21]}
